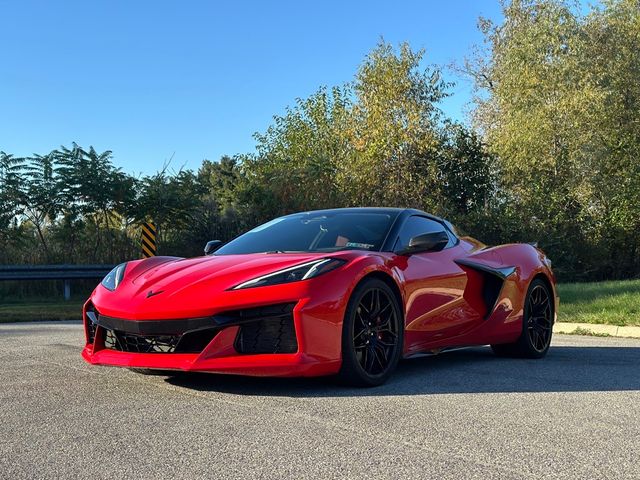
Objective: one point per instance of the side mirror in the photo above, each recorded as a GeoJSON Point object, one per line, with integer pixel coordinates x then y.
{"type": "Point", "coordinates": [427, 242]}
{"type": "Point", "coordinates": [212, 246]}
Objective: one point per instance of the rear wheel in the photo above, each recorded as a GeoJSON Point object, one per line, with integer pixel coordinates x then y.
{"type": "Point", "coordinates": [371, 335]}
{"type": "Point", "coordinates": [537, 325]}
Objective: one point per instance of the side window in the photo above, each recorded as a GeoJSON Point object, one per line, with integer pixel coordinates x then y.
{"type": "Point", "coordinates": [415, 226]}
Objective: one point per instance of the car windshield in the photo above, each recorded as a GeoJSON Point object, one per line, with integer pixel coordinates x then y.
{"type": "Point", "coordinates": [314, 232]}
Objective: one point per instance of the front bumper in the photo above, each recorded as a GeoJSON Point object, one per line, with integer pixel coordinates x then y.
{"type": "Point", "coordinates": [313, 351]}
{"type": "Point", "coordinates": [263, 365]}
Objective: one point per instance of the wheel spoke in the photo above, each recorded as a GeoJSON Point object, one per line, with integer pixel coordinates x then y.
{"type": "Point", "coordinates": [388, 332]}
{"type": "Point", "coordinates": [376, 355]}
{"type": "Point", "coordinates": [358, 336]}
{"type": "Point", "coordinates": [384, 308]}
{"type": "Point", "coordinates": [383, 351]}
{"type": "Point", "coordinates": [364, 357]}
{"type": "Point", "coordinates": [370, 359]}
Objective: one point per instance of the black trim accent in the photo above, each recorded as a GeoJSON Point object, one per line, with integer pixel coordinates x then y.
{"type": "Point", "coordinates": [184, 325]}
{"type": "Point", "coordinates": [236, 317]}
{"type": "Point", "coordinates": [392, 235]}
{"type": "Point", "coordinates": [196, 340]}
{"type": "Point", "coordinates": [494, 278]}
{"type": "Point", "coordinates": [491, 288]}
{"type": "Point", "coordinates": [155, 327]}
{"type": "Point", "coordinates": [501, 272]}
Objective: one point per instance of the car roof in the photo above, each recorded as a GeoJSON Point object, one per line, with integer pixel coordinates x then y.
{"type": "Point", "coordinates": [389, 210]}
{"type": "Point", "coordinates": [398, 215]}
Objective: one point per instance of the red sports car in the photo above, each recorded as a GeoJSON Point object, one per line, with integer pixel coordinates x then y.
{"type": "Point", "coordinates": [344, 292]}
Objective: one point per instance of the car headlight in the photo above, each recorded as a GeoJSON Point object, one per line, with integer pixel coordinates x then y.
{"type": "Point", "coordinates": [304, 271]}
{"type": "Point", "coordinates": [114, 277]}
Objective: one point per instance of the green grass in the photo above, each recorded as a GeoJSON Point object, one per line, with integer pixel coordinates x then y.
{"type": "Point", "coordinates": [27, 310]}
{"type": "Point", "coordinates": [587, 332]}
{"type": "Point", "coordinates": [612, 303]}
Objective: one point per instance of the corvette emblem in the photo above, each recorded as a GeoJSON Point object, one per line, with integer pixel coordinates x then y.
{"type": "Point", "coordinates": [151, 293]}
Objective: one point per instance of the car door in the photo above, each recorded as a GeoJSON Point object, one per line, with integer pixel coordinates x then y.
{"type": "Point", "coordinates": [434, 287]}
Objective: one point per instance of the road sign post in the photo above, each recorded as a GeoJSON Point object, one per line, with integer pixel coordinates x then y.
{"type": "Point", "coordinates": [149, 244]}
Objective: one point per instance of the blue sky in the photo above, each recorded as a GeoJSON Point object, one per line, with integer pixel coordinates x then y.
{"type": "Point", "coordinates": [195, 79]}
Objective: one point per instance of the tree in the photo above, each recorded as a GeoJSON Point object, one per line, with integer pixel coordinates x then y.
{"type": "Point", "coordinates": [41, 196]}
{"type": "Point", "coordinates": [221, 179]}
{"type": "Point", "coordinates": [10, 180]}
{"type": "Point", "coordinates": [96, 194]}
{"type": "Point", "coordinates": [558, 107]}
{"type": "Point", "coordinates": [374, 141]}
{"type": "Point", "coordinates": [466, 171]}
{"type": "Point", "coordinates": [298, 156]}
{"type": "Point", "coordinates": [394, 129]}
{"type": "Point", "coordinates": [169, 201]}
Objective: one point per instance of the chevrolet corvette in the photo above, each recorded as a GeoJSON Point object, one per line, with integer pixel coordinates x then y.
{"type": "Point", "coordinates": [344, 292]}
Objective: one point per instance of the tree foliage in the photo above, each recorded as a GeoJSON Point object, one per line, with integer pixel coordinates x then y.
{"type": "Point", "coordinates": [559, 109]}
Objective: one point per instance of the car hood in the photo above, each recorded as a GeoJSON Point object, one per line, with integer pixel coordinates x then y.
{"type": "Point", "coordinates": [170, 287]}
{"type": "Point", "coordinates": [218, 272]}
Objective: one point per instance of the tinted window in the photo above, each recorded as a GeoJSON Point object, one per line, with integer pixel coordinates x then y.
{"type": "Point", "coordinates": [415, 226]}
{"type": "Point", "coordinates": [314, 232]}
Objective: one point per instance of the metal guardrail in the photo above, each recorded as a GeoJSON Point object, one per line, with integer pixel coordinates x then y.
{"type": "Point", "coordinates": [54, 272]}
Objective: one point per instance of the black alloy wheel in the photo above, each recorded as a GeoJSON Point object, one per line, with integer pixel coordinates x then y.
{"type": "Point", "coordinates": [537, 324]}
{"type": "Point", "coordinates": [539, 318]}
{"type": "Point", "coordinates": [372, 335]}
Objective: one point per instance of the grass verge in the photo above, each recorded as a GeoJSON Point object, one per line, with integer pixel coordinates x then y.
{"type": "Point", "coordinates": [28, 310]}
{"type": "Point", "coordinates": [610, 303]}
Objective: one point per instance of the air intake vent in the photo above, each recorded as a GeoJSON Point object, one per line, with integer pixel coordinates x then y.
{"type": "Point", "coordinates": [90, 323]}
{"type": "Point", "coordinates": [272, 335]}
{"type": "Point", "coordinates": [127, 342]}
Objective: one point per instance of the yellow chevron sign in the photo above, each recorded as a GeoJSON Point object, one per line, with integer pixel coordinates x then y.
{"type": "Point", "coordinates": [149, 246]}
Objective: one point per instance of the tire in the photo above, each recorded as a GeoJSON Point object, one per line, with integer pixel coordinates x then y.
{"type": "Point", "coordinates": [372, 335]}
{"type": "Point", "coordinates": [537, 325]}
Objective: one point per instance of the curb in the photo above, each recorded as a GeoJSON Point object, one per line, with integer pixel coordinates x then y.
{"type": "Point", "coordinates": [596, 329]}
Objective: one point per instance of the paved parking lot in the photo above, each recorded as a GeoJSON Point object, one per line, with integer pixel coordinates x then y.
{"type": "Point", "coordinates": [464, 414]}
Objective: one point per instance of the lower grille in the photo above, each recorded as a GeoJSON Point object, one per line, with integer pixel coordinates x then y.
{"type": "Point", "coordinates": [273, 335]}
{"type": "Point", "coordinates": [126, 342]}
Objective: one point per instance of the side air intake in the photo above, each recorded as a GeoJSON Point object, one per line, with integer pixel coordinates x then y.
{"type": "Point", "coordinates": [493, 280]}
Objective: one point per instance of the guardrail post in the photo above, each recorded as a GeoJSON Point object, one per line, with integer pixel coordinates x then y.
{"type": "Point", "coordinates": [67, 290]}
{"type": "Point", "coordinates": [149, 245]}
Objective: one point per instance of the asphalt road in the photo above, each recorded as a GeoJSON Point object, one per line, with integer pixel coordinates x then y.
{"type": "Point", "coordinates": [465, 414]}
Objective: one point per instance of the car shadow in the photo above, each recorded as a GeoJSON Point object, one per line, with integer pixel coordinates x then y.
{"type": "Point", "coordinates": [474, 370]}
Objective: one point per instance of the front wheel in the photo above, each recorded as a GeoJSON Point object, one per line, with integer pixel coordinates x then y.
{"type": "Point", "coordinates": [372, 335]}
{"type": "Point", "coordinates": [537, 325]}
